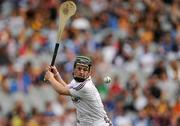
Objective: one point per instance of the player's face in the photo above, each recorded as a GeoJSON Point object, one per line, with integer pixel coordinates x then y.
{"type": "Point", "coordinates": [81, 71]}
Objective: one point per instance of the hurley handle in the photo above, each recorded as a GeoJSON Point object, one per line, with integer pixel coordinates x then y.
{"type": "Point", "coordinates": [55, 54]}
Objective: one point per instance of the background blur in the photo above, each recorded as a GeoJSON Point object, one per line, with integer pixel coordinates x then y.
{"type": "Point", "coordinates": [136, 42]}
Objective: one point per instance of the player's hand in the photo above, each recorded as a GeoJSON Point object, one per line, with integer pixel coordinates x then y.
{"type": "Point", "coordinates": [53, 69]}
{"type": "Point", "coordinates": [48, 75]}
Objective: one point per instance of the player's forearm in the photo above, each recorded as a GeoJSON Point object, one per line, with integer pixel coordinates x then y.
{"type": "Point", "coordinates": [59, 87]}
{"type": "Point", "coordinates": [59, 79]}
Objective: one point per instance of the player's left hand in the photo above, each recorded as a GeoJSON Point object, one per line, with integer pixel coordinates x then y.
{"type": "Point", "coordinates": [48, 75]}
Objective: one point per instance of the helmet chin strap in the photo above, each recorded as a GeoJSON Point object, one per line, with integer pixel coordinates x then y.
{"type": "Point", "coordinates": [79, 79]}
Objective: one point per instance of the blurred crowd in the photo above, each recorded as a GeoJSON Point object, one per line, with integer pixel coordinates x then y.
{"type": "Point", "coordinates": [135, 42]}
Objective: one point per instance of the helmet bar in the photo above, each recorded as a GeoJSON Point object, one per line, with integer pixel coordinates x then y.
{"type": "Point", "coordinates": [83, 60]}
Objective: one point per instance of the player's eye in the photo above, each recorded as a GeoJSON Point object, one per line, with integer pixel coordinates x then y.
{"type": "Point", "coordinates": [80, 68]}
{"type": "Point", "coordinates": [85, 69]}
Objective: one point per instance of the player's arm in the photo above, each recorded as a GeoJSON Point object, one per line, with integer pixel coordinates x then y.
{"type": "Point", "coordinates": [59, 79]}
{"type": "Point", "coordinates": [58, 86]}
{"type": "Point", "coordinates": [57, 75]}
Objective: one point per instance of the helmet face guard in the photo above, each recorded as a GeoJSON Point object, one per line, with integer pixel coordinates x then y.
{"type": "Point", "coordinates": [86, 63]}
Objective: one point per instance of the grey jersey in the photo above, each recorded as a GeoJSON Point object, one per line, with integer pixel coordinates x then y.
{"type": "Point", "coordinates": [87, 101]}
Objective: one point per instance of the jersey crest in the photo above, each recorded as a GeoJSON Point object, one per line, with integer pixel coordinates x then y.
{"type": "Point", "coordinates": [75, 99]}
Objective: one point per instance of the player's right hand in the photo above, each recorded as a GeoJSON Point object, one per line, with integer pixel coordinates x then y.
{"type": "Point", "coordinates": [53, 69]}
